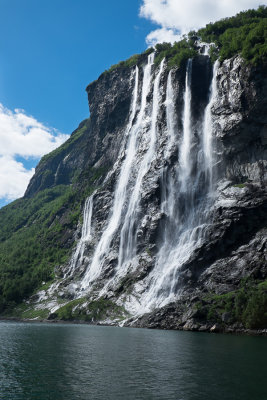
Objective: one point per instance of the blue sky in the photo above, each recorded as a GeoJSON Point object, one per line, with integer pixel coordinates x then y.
{"type": "Point", "coordinates": [51, 49]}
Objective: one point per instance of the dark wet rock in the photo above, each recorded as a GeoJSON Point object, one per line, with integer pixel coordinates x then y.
{"type": "Point", "coordinates": [226, 317]}
{"type": "Point", "coordinates": [52, 316]}
{"type": "Point", "coordinates": [216, 328]}
{"type": "Point", "coordinates": [234, 246]}
{"type": "Point", "coordinates": [97, 141]}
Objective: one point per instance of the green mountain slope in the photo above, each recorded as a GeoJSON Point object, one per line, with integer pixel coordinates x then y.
{"type": "Point", "coordinates": [37, 232]}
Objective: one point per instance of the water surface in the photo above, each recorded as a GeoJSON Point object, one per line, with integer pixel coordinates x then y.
{"type": "Point", "coordinates": [69, 362]}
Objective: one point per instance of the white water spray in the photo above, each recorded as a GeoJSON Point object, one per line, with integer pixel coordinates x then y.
{"type": "Point", "coordinates": [187, 212]}
{"type": "Point", "coordinates": [184, 202]}
{"type": "Point", "coordinates": [127, 250]}
{"type": "Point", "coordinates": [208, 127]}
{"type": "Point", "coordinates": [85, 237]}
{"type": "Point", "coordinates": [121, 191]}
{"type": "Point", "coordinates": [167, 180]}
{"type": "Point", "coordinates": [170, 114]}
{"type": "Point", "coordinates": [185, 162]}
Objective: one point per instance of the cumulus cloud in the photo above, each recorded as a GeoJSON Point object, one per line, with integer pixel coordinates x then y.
{"type": "Point", "coordinates": [162, 35]}
{"type": "Point", "coordinates": [24, 137]}
{"type": "Point", "coordinates": [177, 17]}
{"type": "Point", "coordinates": [13, 178]}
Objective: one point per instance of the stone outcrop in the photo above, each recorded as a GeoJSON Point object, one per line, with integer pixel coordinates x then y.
{"type": "Point", "coordinates": [233, 247]}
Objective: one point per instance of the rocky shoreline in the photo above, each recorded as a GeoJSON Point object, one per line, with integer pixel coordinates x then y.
{"type": "Point", "coordinates": [189, 327]}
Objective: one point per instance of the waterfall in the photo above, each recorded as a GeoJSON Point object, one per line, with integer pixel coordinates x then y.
{"type": "Point", "coordinates": [121, 191]}
{"type": "Point", "coordinates": [127, 250]}
{"type": "Point", "coordinates": [185, 161]}
{"type": "Point", "coordinates": [185, 199]}
{"type": "Point", "coordinates": [85, 237]}
{"type": "Point", "coordinates": [208, 128]}
{"type": "Point", "coordinates": [170, 115]}
{"type": "Point", "coordinates": [186, 205]}
{"type": "Point", "coordinates": [167, 180]}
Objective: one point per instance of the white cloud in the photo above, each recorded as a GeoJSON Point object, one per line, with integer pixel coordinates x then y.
{"type": "Point", "coordinates": [22, 135]}
{"type": "Point", "coordinates": [13, 178]}
{"type": "Point", "coordinates": [162, 35]}
{"type": "Point", "coordinates": [179, 16]}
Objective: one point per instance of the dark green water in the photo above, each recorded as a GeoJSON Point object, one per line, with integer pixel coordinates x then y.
{"type": "Point", "coordinates": [69, 362]}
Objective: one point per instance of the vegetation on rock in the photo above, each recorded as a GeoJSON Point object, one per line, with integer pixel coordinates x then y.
{"type": "Point", "coordinates": [37, 231]}
{"type": "Point", "coordinates": [33, 241]}
{"type": "Point", "coordinates": [136, 59]}
{"type": "Point", "coordinates": [81, 310]}
{"type": "Point", "coordinates": [247, 306]}
{"type": "Point", "coordinates": [36, 236]}
{"type": "Point", "coordinates": [76, 135]}
{"type": "Point", "coordinates": [244, 34]}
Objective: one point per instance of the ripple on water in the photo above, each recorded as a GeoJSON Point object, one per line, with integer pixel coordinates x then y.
{"type": "Point", "coordinates": [69, 362]}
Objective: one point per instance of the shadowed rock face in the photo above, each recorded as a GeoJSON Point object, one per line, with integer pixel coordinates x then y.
{"type": "Point", "coordinates": [233, 244]}
{"type": "Point", "coordinates": [236, 242]}
{"type": "Point", "coordinates": [97, 141]}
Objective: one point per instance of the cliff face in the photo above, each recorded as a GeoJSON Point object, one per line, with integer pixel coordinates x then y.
{"type": "Point", "coordinates": [177, 215]}
{"type": "Point", "coordinates": [96, 142]}
{"type": "Point", "coordinates": [234, 252]}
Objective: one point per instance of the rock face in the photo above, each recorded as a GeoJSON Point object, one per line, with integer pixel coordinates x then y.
{"type": "Point", "coordinates": [97, 141]}
{"type": "Point", "coordinates": [180, 209]}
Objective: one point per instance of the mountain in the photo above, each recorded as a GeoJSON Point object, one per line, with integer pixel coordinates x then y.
{"type": "Point", "coordinates": [153, 213]}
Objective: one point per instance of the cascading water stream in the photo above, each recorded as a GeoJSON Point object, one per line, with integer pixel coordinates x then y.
{"type": "Point", "coordinates": [187, 214]}
{"type": "Point", "coordinates": [121, 191]}
{"type": "Point", "coordinates": [167, 180]}
{"type": "Point", "coordinates": [85, 236]}
{"type": "Point", "coordinates": [207, 128]}
{"type": "Point", "coordinates": [185, 200]}
{"type": "Point", "coordinates": [185, 162]}
{"type": "Point", "coordinates": [170, 117]}
{"type": "Point", "coordinates": [127, 250]}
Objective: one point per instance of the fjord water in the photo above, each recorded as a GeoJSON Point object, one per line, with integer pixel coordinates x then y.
{"type": "Point", "coordinates": [69, 362]}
